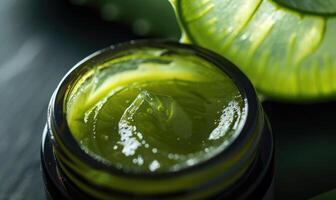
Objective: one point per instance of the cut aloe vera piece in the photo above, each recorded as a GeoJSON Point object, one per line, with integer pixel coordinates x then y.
{"type": "Point", "coordinates": [286, 47]}
{"type": "Point", "coordinates": [145, 17]}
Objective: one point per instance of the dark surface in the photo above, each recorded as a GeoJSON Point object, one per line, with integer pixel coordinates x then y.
{"type": "Point", "coordinates": [40, 40]}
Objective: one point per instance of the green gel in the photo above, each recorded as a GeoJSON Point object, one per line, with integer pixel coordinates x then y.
{"type": "Point", "coordinates": [155, 111]}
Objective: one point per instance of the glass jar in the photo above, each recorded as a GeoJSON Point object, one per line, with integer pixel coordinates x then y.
{"type": "Point", "coordinates": [243, 170]}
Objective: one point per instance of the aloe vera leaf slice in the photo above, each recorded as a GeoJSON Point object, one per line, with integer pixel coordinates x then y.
{"type": "Point", "coordinates": [286, 53]}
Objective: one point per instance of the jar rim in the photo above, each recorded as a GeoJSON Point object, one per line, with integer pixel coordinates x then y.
{"type": "Point", "coordinates": [57, 117]}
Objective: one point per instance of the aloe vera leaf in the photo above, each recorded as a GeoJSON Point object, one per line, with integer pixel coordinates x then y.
{"type": "Point", "coordinates": [286, 51]}
{"type": "Point", "coordinates": [321, 7]}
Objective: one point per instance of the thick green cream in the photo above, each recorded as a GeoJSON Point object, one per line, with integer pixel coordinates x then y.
{"type": "Point", "coordinates": [150, 110]}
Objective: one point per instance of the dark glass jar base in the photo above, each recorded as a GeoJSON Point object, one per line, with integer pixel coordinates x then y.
{"type": "Point", "coordinates": [254, 185]}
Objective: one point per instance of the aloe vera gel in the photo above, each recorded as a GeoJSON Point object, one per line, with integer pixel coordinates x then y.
{"type": "Point", "coordinates": [154, 110]}
{"type": "Point", "coordinates": [156, 120]}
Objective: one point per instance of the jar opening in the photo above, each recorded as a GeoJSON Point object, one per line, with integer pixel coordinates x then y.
{"type": "Point", "coordinates": [159, 52]}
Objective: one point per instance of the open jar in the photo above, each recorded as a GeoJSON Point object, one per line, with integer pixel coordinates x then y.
{"type": "Point", "coordinates": [156, 120]}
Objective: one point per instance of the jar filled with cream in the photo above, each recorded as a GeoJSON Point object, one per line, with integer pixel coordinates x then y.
{"type": "Point", "coordinates": [156, 120]}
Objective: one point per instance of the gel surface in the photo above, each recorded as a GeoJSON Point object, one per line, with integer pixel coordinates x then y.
{"type": "Point", "coordinates": [155, 111]}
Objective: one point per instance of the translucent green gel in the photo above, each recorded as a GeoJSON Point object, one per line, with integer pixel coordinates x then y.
{"type": "Point", "coordinates": [155, 111]}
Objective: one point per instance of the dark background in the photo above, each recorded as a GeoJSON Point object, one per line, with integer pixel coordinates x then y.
{"type": "Point", "coordinates": [41, 39]}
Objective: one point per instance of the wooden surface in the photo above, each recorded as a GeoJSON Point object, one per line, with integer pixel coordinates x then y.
{"type": "Point", "coordinates": [40, 40]}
